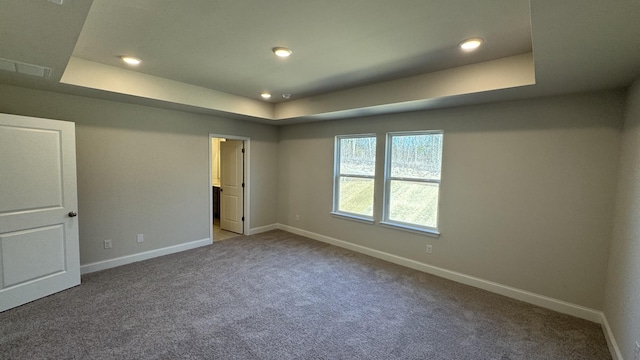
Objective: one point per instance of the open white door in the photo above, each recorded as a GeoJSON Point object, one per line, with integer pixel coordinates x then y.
{"type": "Point", "coordinates": [39, 251]}
{"type": "Point", "coordinates": [232, 185]}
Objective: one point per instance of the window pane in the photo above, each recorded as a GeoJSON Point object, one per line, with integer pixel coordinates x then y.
{"type": "Point", "coordinates": [416, 156]}
{"type": "Point", "coordinates": [414, 203]}
{"type": "Point", "coordinates": [358, 156]}
{"type": "Point", "coordinates": [356, 196]}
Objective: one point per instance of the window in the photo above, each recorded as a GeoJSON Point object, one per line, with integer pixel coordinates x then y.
{"type": "Point", "coordinates": [355, 162]}
{"type": "Point", "coordinates": [412, 180]}
{"type": "Point", "coordinates": [412, 169]}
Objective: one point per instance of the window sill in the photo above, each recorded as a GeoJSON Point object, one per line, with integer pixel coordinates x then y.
{"type": "Point", "coordinates": [352, 217]}
{"type": "Point", "coordinates": [428, 232]}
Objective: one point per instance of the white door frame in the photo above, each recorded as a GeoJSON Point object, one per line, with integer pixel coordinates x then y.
{"type": "Point", "coordinates": [247, 183]}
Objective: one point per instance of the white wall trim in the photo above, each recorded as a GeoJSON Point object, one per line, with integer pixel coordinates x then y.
{"type": "Point", "coordinates": [514, 293]}
{"type": "Point", "coordinates": [124, 260]}
{"type": "Point", "coordinates": [261, 229]}
{"type": "Point", "coordinates": [611, 340]}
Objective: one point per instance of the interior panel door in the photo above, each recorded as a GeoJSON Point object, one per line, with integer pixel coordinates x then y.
{"type": "Point", "coordinates": [231, 186]}
{"type": "Point", "coordinates": [39, 250]}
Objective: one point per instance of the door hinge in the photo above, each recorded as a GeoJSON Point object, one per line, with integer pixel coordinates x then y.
{"type": "Point", "coordinates": [243, 151]}
{"type": "Point", "coordinates": [243, 218]}
{"type": "Point", "coordinates": [243, 185]}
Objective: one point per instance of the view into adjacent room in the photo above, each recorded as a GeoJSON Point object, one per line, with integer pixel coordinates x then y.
{"type": "Point", "coordinates": [227, 181]}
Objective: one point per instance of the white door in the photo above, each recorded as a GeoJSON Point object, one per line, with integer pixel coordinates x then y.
{"type": "Point", "coordinates": [232, 185]}
{"type": "Point", "coordinates": [39, 252]}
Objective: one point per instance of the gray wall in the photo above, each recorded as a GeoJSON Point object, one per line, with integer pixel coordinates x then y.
{"type": "Point", "coordinates": [527, 194]}
{"type": "Point", "coordinates": [622, 296]}
{"type": "Point", "coordinates": [146, 170]}
{"type": "Point", "coordinates": [527, 190]}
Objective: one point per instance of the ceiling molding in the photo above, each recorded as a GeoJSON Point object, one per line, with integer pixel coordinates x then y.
{"type": "Point", "coordinates": [505, 73]}
{"type": "Point", "coordinates": [510, 72]}
{"type": "Point", "coordinates": [89, 74]}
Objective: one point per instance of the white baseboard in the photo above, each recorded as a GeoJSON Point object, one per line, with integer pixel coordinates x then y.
{"type": "Point", "coordinates": [522, 295]}
{"type": "Point", "coordinates": [611, 340]}
{"type": "Point", "coordinates": [262, 229]}
{"type": "Point", "coordinates": [124, 260]}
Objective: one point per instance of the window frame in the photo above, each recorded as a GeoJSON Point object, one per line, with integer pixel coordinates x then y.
{"type": "Point", "coordinates": [386, 221]}
{"type": "Point", "coordinates": [337, 176]}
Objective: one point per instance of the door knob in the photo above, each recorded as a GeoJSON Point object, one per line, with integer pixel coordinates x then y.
{"type": "Point", "coordinates": [73, 214]}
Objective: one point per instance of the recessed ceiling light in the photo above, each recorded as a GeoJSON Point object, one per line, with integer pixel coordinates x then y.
{"type": "Point", "coordinates": [265, 95]}
{"type": "Point", "coordinates": [130, 60]}
{"type": "Point", "coordinates": [286, 96]}
{"type": "Point", "coordinates": [471, 44]}
{"type": "Point", "coordinates": [282, 51]}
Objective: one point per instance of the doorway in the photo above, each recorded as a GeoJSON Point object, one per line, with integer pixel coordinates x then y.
{"type": "Point", "coordinates": [228, 163]}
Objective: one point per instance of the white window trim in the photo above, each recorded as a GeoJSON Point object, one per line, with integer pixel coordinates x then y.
{"type": "Point", "coordinates": [337, 175]}
{"type": "Point", "coordinates": [433, 232]}
{"type": "Point", "coordinates": [386, 196]}
{"type": "Point", "coordinates": [352, 216]}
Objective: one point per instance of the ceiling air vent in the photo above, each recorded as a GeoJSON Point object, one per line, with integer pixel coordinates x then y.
{"type": "Point", "coordinates": [24, 68]}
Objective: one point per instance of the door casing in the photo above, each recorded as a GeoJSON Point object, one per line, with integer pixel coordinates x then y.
{"type": "Point", "coordinates": [247, 181]}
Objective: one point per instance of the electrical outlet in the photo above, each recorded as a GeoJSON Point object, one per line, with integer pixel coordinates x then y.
{"type": "Point", "coordinates": [429, 249]}
{"type": "Point", "coordinates": [140, 238]}
{"type": "Point", "coordinates": [636, 353]}
{"type": "Point", "coordinates": [107, 244]}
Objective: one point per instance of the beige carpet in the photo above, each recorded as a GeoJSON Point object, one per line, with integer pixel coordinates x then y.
{"type": "Point", "coordinates": [280, 296]}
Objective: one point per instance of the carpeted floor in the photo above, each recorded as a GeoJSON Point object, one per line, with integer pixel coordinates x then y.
{"type": "Point", "coordinates": [280, 296]}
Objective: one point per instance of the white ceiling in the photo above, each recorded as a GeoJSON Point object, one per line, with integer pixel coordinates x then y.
{"type": "Point", "coordinates": [226, 44]}
{"type": "Point", "coordinates": [349, 57]}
